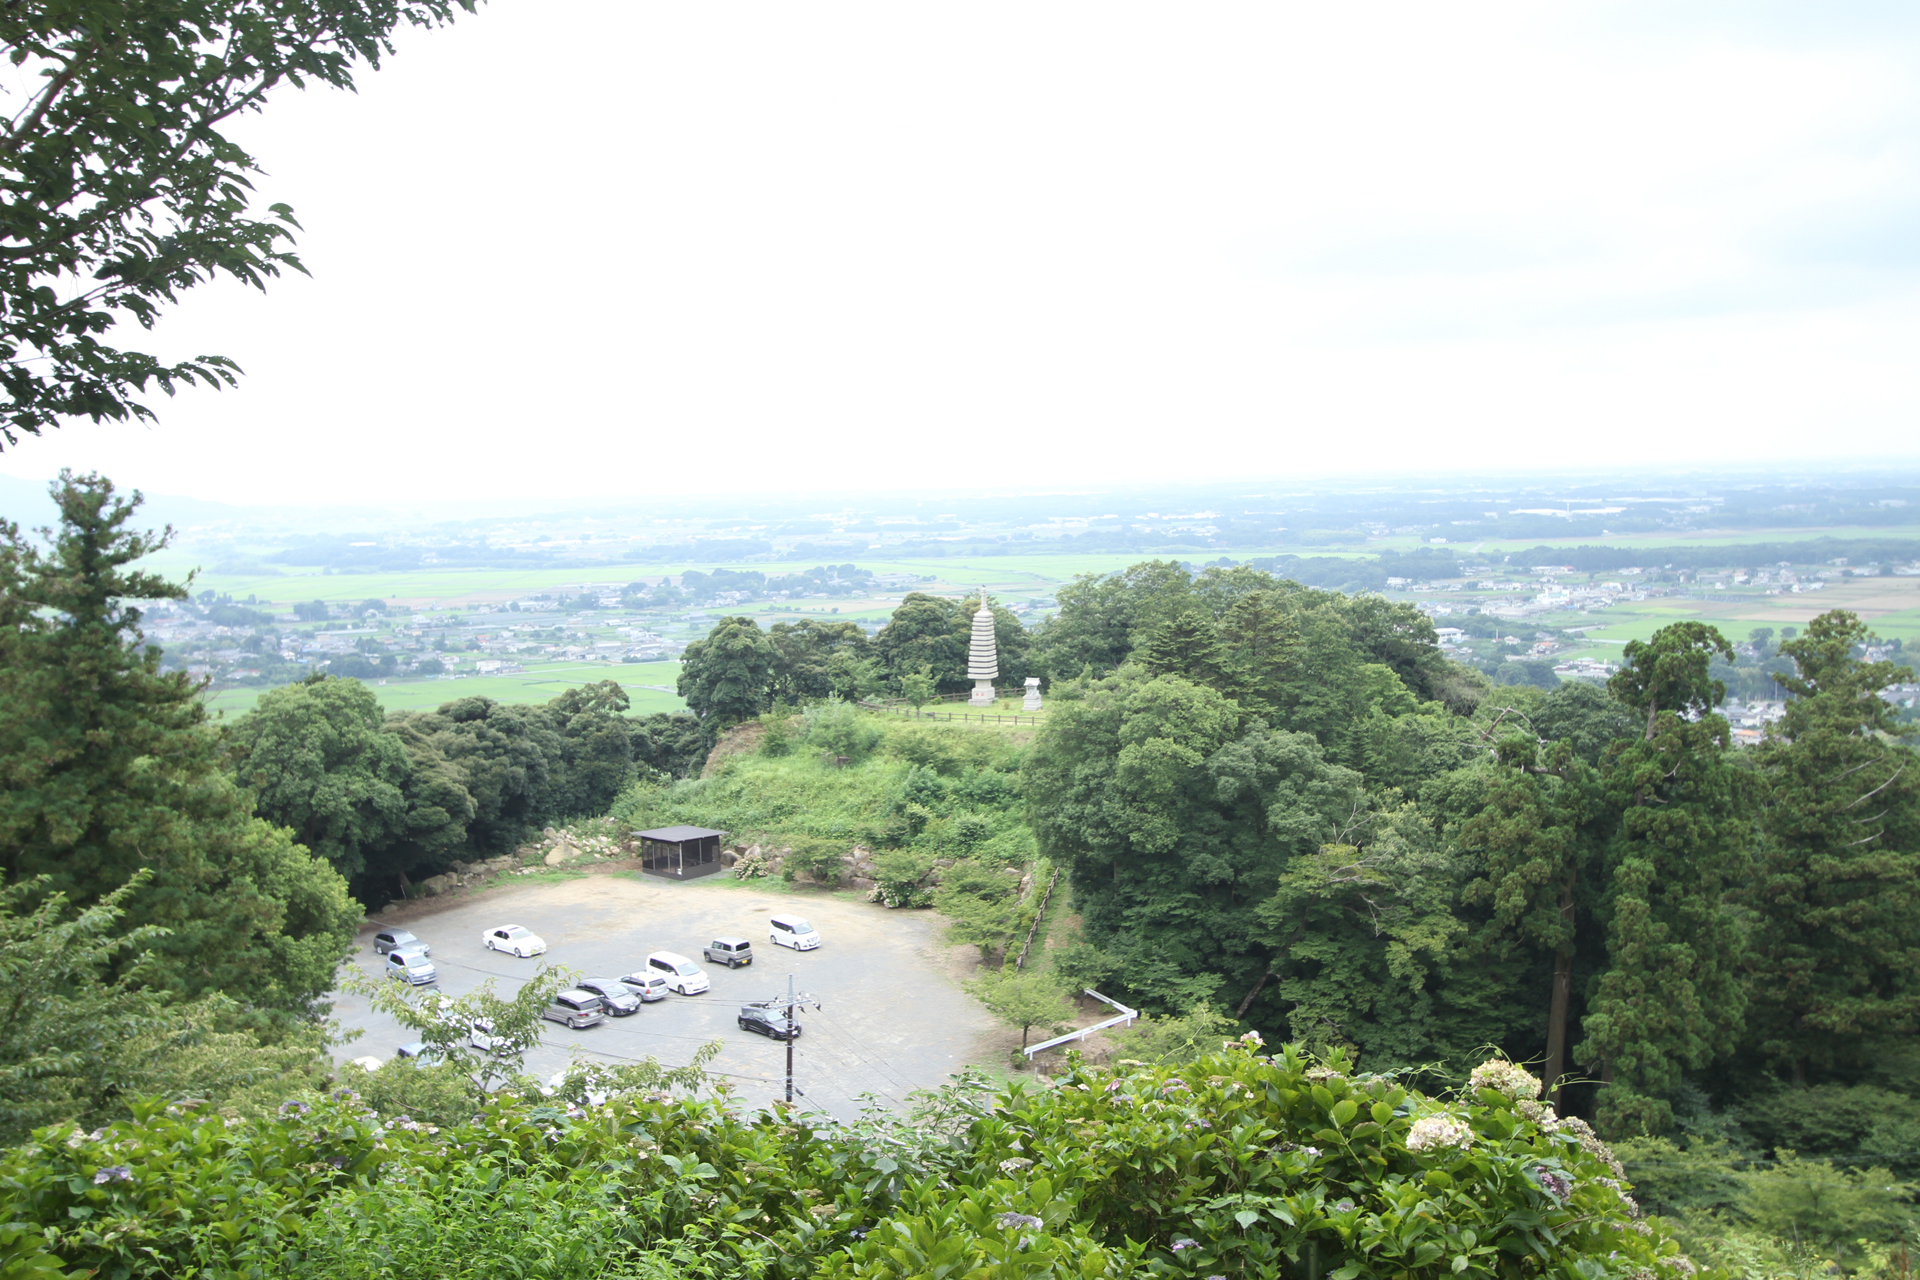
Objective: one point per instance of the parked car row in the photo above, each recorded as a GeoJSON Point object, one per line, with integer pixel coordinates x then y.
{"type": "Point", "coordinates": [593, 1000]}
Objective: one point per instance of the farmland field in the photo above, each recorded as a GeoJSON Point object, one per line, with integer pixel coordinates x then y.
{"type": "Point", "coordinates": [648, 684]}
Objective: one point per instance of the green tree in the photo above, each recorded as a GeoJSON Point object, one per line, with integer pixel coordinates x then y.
{"type": "Point", "coordinates": [1539, 839]}
{"type": "Point", "coordinates": [925, 631]}
{"type": "Point", "coordinates": [917, 687]}
{"type": "Point", "coordinates": [1176, 827]}
{"type": "Point", "coordinates": [1020, 998]}
{"type": "Point", "coordinates": [1669, 672]}
{"type": "Point", "coordinates": [79, 1044]}
{"type": "Point", "coordinates": [114, 171]}
{"type": "Point", "coordinates": [509, 1024]}
{"type": "Point", "coordinates": [1188, 645]}
{"type": "Point", "coordinates": [981, 904]}
{"type": "Point", "coordinates": [319, 761]}
{"type": "Point", "coordinates": [596, 758]}
{"type": "Point", "coordinates": [1836, 897]}
{"type": "Point", "coordinates": [728, 677]}
{"type": "Point", "coordinates": [109, 767]}
{"type": "Point", "coordinates": [1104, 617]}
{"type": "Point", "coordinates": [1670, 997]}
{"type": "Point", "coordinates": [804, 657]}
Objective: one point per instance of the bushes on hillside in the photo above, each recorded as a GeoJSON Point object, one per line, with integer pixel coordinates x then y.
{"type": "Point", "coordinates": [1235, 1164]}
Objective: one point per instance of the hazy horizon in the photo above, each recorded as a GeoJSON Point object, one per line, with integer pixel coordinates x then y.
{"type": "Point", "coordinates": [758, 249]}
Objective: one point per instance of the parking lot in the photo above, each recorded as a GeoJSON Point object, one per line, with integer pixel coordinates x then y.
{"type": "Point", "coordinates": [892, 1018]}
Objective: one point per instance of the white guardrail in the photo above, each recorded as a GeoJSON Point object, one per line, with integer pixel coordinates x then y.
{"type": "Point", "coordinates": [1126, 1015]}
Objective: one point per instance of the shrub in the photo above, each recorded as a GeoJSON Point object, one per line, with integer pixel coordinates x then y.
{"type": "Point", "coordinates": [818, 859]}
{"type": "Point", "coordinates": [900, 878]}
{"type": "Point", "coordinates": [840, 729]}
{"type": "Point", "coordinates": [752, 865]}
{"type": "Point", "coordinates": [1236, 1164]}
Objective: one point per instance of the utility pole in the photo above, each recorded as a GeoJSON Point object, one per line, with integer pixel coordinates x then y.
{"type": "Point", "coordinates": [789, 1039]}
{"type": "Point", "coordinates": [794, 999]}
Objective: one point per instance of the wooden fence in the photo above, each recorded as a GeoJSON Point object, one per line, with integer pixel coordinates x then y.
{"type": "Point", "coordinates": [981, 717]}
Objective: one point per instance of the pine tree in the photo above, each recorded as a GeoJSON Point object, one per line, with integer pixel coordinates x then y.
{"type": "Point", "coordinates": [1669, 998]}
{"type": "Point", "coordinates": [1836, 956]}
{"type": "Point", "coordinates": [110, 766]}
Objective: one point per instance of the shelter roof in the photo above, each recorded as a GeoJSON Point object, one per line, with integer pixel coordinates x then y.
{"type": "Point", "coordinates": [677, 835]}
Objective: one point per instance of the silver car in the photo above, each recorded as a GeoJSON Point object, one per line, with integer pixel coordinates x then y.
{"type": "Point", "coordinates": [648, 984]}
{"type": "Point", "coordinates": [410, 967]}
{"type": "Point", "coordinates": [576, 1008]}
{"type": "Point", "coordinates": [398, 940]}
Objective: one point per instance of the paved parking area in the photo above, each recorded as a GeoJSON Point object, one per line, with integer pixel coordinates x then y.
{"type": "Point", "coordinates": [892, 1019]}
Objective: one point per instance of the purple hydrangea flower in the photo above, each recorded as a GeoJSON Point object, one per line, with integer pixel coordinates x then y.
{"type": "Point", "coordinates": [1557, 1185]}
{"type": "Point", "coordinates": [1026, 1222]}
{"type": "Point", "coordinates": [294, 1107]}
{"type": "Point", "coordinates": [113, 1173]}
{"type": "Point", "coordinates": [1183, 1243]}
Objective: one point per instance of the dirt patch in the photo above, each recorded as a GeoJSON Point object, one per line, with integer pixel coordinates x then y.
{"type": "Point", "coordinates": [741, 740]}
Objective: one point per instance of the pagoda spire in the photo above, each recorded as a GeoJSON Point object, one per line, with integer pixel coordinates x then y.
{"type": "Point", "coordinates": [983, 655]}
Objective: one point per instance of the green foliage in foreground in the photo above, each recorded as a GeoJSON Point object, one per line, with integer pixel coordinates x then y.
{"type": "Point", "coordinates": [1236, 1164]}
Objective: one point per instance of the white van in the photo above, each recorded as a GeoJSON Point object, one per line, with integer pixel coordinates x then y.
{"type": "Point", "coordinates": [792, 931]}
{"type": "Point", "coordinates": [682, 974]}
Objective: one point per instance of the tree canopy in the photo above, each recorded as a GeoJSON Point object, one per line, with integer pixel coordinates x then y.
{"type": "Point", "coordinates": [119, 189]}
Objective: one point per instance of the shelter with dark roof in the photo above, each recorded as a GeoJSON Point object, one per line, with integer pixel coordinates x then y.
{"type": "Point", "coordinates": [680, 853]}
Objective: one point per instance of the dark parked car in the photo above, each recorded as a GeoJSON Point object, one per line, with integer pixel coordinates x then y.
{"type": "Point", "coordinates": [576, 1008]}
{"type": "Point", "coordinates": [768, 1022]}
{"type": "Point", "coordinates": [619, 1000]}
{"type": "Point", "coordinates": [398, 940]}
{"type": "Point", "coordinates": [731, 952]}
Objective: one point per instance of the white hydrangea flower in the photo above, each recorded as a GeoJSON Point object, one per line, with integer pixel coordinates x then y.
{"type": "Point", "coordinates": [1430, 1133]}
{"type": "Point", "coordinates": [1505, 1077]}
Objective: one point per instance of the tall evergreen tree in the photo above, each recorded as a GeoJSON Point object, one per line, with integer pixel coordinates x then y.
{"type": "Point", "coordinates": [1670, 998]}
{"type": "Point", "coordinates": [1836, 897]}
{"type": "Point", "coordinates": [110, 767]}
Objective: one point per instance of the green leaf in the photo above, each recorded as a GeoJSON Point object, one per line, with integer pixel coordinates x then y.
{"type": "Point", "coordinates": [1344, 1110]}
{"type": "Point", "coordinates": [1246, 1218]}
{"type": "Point", "coordinates": [1382, 1113]}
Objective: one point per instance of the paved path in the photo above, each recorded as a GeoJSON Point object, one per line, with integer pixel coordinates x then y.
{"type": "Point", "coordinates": [892, 1019]}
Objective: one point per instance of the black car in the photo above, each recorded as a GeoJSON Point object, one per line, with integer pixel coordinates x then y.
{"type": "Point", "coordinates": [768, 1022]}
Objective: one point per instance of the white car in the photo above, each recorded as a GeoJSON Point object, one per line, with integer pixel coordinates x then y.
{"type": "Point", "coordinates": [682, 974]}
{"type": "Point", "coordinates": [515, 939]}
{"type": "Point", "coordinates": [792, 931]}
{"type": "Point", "coordinates": [480, 1036]}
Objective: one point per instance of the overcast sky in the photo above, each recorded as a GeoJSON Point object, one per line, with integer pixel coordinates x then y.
{"type": "Point", "coordinates": [597, 246]}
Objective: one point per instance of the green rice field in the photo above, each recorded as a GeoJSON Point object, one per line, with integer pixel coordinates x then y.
{"type": "Point", "coordinates": [648, 684]}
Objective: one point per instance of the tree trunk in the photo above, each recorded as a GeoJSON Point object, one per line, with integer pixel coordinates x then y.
{"type": "Point", "coordinates": [1561, 998]}
{"type": "Point", "coordinates": [1258, 987]}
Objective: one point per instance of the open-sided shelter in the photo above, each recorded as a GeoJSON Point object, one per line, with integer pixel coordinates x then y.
{"type": "Point", "coordinates": [680, 853]}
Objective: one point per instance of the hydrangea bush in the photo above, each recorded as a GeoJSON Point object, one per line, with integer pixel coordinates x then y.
{"type": "Point", "coordinates": [1239, 1164]}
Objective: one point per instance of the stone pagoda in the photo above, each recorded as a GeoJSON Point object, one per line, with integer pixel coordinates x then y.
{"type": "Point", "coordinates": [983, 656]}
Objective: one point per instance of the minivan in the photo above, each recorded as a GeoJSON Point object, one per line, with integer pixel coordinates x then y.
{"type": "Point", "coordinates": [576, 1008]}
{"type": "Point", "coordinates": [410, 967]}
{"type": "Point", "coordinates": [792, 931]}
{"type": "Point", "coordinates": [682, 974]}
{"type": "Point", "coordinates": [731, 952]}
